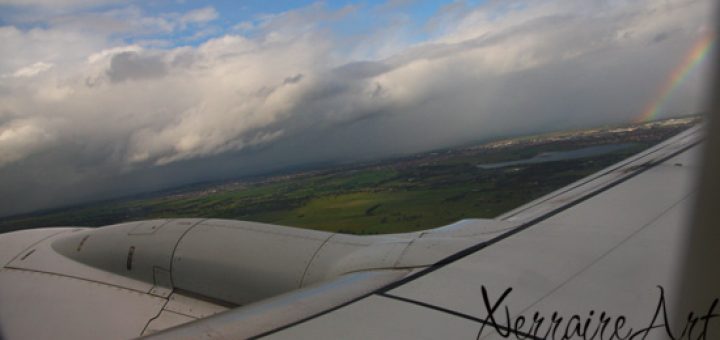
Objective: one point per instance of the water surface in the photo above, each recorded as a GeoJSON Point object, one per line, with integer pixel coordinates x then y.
{"type": "Point", "coordinates": [553, 156]}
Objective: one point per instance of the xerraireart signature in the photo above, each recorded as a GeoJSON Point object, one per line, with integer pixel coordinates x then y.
{"type": "Point", "coordinates": [593, 326]}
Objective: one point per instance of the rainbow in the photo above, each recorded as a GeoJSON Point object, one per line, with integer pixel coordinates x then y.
{"type": "Point", "coordinates": [697, 53]}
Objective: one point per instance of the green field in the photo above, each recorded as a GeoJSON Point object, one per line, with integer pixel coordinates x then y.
{"type": "Point", "coordinates": [406, 194]}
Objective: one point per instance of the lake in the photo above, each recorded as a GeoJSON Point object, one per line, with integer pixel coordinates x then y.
{"type": "Point", "coordinates": [553, 156]}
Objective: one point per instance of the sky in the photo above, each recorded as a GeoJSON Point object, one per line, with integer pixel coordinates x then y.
{"type": "Point", "coordinates": [101, 99]}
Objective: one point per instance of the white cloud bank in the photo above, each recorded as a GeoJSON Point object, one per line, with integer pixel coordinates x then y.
{"type": "Point", "coordinates": [500, 68]}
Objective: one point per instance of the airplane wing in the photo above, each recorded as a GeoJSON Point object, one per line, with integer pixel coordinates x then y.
{"type": "Point", "coordinates": [598, 259]}
{"type": "Point", "coordinates": [603, 249]}
{"type": "Point", "coordinates": [604, 245]}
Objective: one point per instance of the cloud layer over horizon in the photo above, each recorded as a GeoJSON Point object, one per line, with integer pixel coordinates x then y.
{"type": "Point", "coordinates": [109, 100]}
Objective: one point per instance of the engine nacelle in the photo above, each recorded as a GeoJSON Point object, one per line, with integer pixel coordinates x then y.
{"type": "Point", "coordinates": [233, 261]}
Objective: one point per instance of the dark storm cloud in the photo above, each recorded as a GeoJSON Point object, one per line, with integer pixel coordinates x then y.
{"type": "Point", "coordinates": [361, 69]}
{"type": "Point", "coordinates": [661, 36]}
{"type": "Point", "coordinates": [294, 79]}
{"type": "Point", "coordinates": [131, 65]}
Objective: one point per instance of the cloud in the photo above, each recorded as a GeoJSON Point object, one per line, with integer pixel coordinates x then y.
{"type": "Point", "coordinates": [20, 138]}
{"type": "Point", "coordinates": [244, 26]}
{"type": "Point", "coordinates": [198, 16]}
{"type": "Point", "coordinates": [132, 65]}
{"type": "Point", "coordinates": [294, 79]}
{"type": "Point", "coordinates": [22, 48]}
{"type": "Point", "coordinates": [55, 4]}
{"type": "Point", "coordinates": [32, 70]}
{"type": "Point", "coordinates": [100, 109]}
